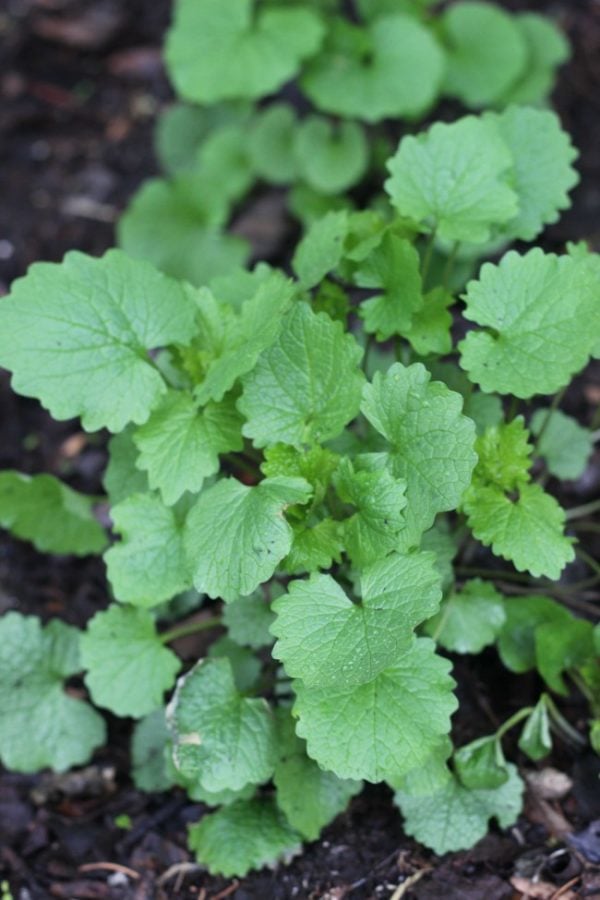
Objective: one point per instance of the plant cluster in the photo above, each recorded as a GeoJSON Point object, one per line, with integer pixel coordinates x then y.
{"type": "Point", "coordinates": [303, 467]}
{"type": "Point", "coordinates": [331, 89]}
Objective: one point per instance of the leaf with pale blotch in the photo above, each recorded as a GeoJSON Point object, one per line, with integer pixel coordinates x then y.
{"type": "Point", "coordinates": [221, 738]}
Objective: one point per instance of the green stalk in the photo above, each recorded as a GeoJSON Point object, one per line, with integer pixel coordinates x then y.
{"type": "Point", "coordinates": [561, 723]}
{"type": "Point", "coordinates": [514, 720]}
{"type": "Point", "coordinates": [586, 509]}
{"type": "Point", "coordinates": [448, 267]}
{"type": "Point", "coordinates": [427, 256]}
{"type": "Point", "coordinates": [180, 631]}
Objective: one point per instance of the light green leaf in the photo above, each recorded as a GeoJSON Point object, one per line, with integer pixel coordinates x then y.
{"type": "Point", "coordinates": [540, 320]}
{"type": "Point", "coordinates": [315, 546]}
{"type": "Point", "coordinates": [445, 546]}
{"type": "Point", "coordinates": [177, 225]}
{"type": "Point", "coordinates": [331, 159]}
{"type": "Point", "coordinates": [236, 535]}
{"type": "Point", "coordinates": [246, 667]}
{"type": "Point", "coordinates": [76, 335]}
{"type": "Point", "coordinates": [148, 566]}
{"type": "Point", "coordinates": [121, 476]}
{"type": "Point", "coordinates": [455, 818]}
{"type": "Point", "coordinates": [379, 500]}
{"type": "Point", "coordinates": [245, 337]}
{"type": "Point", "coordinates": [148, 745]}
{"type": "Point", "coordinates": [394, 266]}
{"type": "Point", "coordinates": [128, 667]}
{"type": "Point", "coordinates": [180, 445]}
{"type": "Point", "coordinates": [527, 530]}
{"type": "Point", "coordinates": [328, 641]}
{"type": "Point", "coordinates": [221, 738]}
{"type": "Point", "coordinates": [271, 144]}
{"type": "Point", "coordinates": [384, 728]}
{"type": "Point", "coordinates": [429, 330]}
{"type": "Point", "coordinates": [484, 409]}
{"type": "Point", "coordinates": [249, 834]}
{"type": "Point", "coordinates": [321, 248]}
{"type": "Point", "coordinates": [182, 128]}
{"type": "Point", "coordinates": [535, 739]}
{"type": "Point", "coordinates": [223, 160]}
{"type": "Point", "coordinates": [564, 444]}
{"type": "Point", "coordinates": [309, 796]}
{"type": "Point", "coordinates": [55, 518]}
{"type": "Point", "coordinates": [316, 465]}
{"type": "Point", "coordinates": [487, 52]}
{"type": "Point", "coordinates": [516, 643]}
{"type": "Point", "coordinates": [454, 179]}
{"type": "Point", "coordinates": [392, 68]}
{"type": "Point", "coordinates": [431, 443]}
{"type": "Point", "coordinates": [41, 725]}
{"type": "Point", "coordinates": [481, 765]}
{"type": "Point", "coordinates": [547, 48]}
{"type": "Point", "coordinates": [216, 52]}
{"type": "Point", "coordinates": [470, 619]}
{"type": "Point", "coordinates": [561, 647]}
{"type": "Point", "coordinates": [248, 620]}
{"type": "Point", "coordinates": [543, 170]}
{"type": "Point", "coordinates": [306, 386]}
{"type": "Point", "coordinates": [504, 455]}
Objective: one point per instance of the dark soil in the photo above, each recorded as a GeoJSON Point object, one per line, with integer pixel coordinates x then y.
{"type": "Point", "coordinates": [80, 85]}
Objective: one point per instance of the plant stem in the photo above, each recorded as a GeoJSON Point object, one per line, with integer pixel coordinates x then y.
{"type": "Point", "coordinates": [513, 409]}
{"type": "Point", "coordinates": [595, 436]}
{"type": "Point", "coordinates": [427, 256]}
{"type": "Point", "coordinates": [180, 631]}
{"type": "Point", "coordinates": [578, 512]}
{"type": "Point", "coordinates": [500, 574]}
{"type": "Point", "coordinates": [594, 566]}
{"type": "Point", "coordinates": [556, 401]}
{"type": "Point", "coordinates": [514, 720]}
{"type": "Point", "coordinates": [449, 265]}
{"type": "Point", "coordinates": [561, 723]}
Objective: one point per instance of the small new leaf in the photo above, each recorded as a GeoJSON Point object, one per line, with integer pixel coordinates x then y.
{"type": "Point", "coordinates": [470, 619]}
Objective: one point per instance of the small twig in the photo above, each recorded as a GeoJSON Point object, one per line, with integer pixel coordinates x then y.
{"type": "Point", "coordinates": [409, 882]}
{"type": "Point", "coordinates": [226, 891]}
{"type": "Point", "coordinates": [110, 867]}
{"type": "Point", "coordinates": [178, 871]}
{"type": "Point", "coordinates": [565, 887]}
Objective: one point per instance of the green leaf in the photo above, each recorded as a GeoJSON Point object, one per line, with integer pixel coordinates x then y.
{"type": "Point", "coordinates": [564, 444]}
{"type": "Point", "coordinates": [561, 647]}
{"type": "Point", "coordinates": [455, 818]}
{"type": "Point", "coordinates": [306, 386]}
{"type": "Point", "coordinates": [55, 518]}
{"type": "Point", "coordinates": [128, 667]}
{"type": "Point", "coordinates": [316, 465]}
{"type": "Point", "coordinates": [470, 619]}
{"type": "Point", "coordinates": [224, 739]}
{"type": "Point", "coordinates": [547, 48]}
{"type": "Point", "coordinates": [148, 566]}
{"type": "Point", "coordinates": [516, 643]}
{"type": "Point", "coordinates": [41, 725]}
{"type": "Point", "coordinates": [487, 52]}
{"type": "Point", "coordinates": [379, 500]}
{"type": "Point", "coordinates": [177, 225]}
{"type": "Point", "coordinates": [504, 455]}
{"type": "Point", "coordinates": [180, 445]}
{"type": "Point", "coordinates": [481, 765]}
{"type": "Point", "coordinates": [321, 248]}
{"type": "Point", "coordinates": [429, 330]}
{"type": "Point", "coordinates": [217, 52]}
{"type": "Point", "coordinates": [392, 68]}
{"type": "Point", "coordinates": [236, 535]}
{"type": "Point", "coordinates": [445, 546]}
{"type": "Point", "coordinates": [384, 728]}
{"type": "Point", "coordinates": [148, 744]}
{"type": "Point", "coordinates": [526, 529]}
{"type": "Point", "coordinates": [328, 641]}
{"type": "Point", "coordinates": [223, 160]}
{"type": "Point", "coordinates": [76, 335]}
{"type": "Point", "coordinates": [271, 144]}
{"type": "Point", "coordinates": [484, 409]}
{"type": "Point", "coordinates": [182, 128]}
{"type": "Point", "coordinates": [245, 337]}
{"type": "Point", "coordinates": [248, 620]}
{"type": "Point", "coordinates": [539, 318]}
{"type": "Point", "coordinates": [394, 266]}
{"type": "Point", "coordinates": [121, 476]}
{"type": "Point", "coordinates": [543, 170]}
{"type": "Point", "coordinates": [453, 179]}
{"type": "Point", "coordinates": [331, 159]}
{"type": "Point", "coordinates": [310, 797]}
{"type": "Point", "coordinates": [247, 835]}
{"type": "Point", "coordinates": [431, 443]}
{"type": "Point", "coordinates": [535, 740]}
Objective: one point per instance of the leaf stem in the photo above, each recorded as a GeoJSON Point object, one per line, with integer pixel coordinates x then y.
{"type": "Point", "coordinates": [578, 512]}
{"type": "Point", "coordinates": [500, 574]}
{"type": "Point", "coordinates": [556, 401]}
{"type": "Point", "coordinates": [427, 257]}
{"type": "Point", "coordinates": [514, 720]}
{"type": "Point", "coordinates": [449, 265]}
{"type": "Point", "coordinates": [560, 722]}
{"type": "Point", "coordinates": [180, 631]}
{"type": "Point", "coordinates": [594, 566]}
